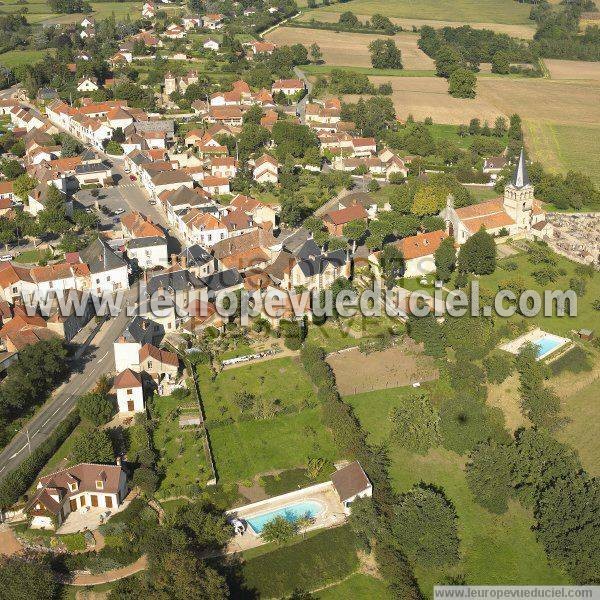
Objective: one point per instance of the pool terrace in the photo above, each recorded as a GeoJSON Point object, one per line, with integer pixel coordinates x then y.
{"type": "Point", "coordinates": [547, 343]}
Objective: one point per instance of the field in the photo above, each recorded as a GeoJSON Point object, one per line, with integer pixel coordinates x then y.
{"type": "Point", "coordinates": [39, 11]}
{"type": "Point", "coordinates": [15, 58]}
{"type": "Point", "coordinates": [245, 449]}
{"type": "Point", "coordinates": [583, 429]}
{"type": "Point", "coordinates": [352, 48]}
{"type": "Point", "coordinates": [428, 97]}
{"type": "Point", "coordinates": [395, 367]}
{"type": "Point", "coordinates": [465, 11]}
{"type": "Point", "coordinates": [573, 69]}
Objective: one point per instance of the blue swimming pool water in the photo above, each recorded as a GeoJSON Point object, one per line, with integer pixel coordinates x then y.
{"type": "Point", "coordinates": [545, 345]}
{"type": "Point", "coordinates": [293, 512]}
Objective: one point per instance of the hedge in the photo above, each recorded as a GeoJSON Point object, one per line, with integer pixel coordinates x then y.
{"type": "Point", "coordinates": [17, 482]}
{"type": "Point", "coordinates": [325, 558]}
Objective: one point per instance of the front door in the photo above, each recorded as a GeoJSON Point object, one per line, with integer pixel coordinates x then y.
{"type": "Point", "coordinates": [73, 504]}
{"type": "Point", "coordinates": [130, 405]}
{"type": "Point", "coordinates": [108, 501]}
{"type": "Point", "coordinates": [94, 499]}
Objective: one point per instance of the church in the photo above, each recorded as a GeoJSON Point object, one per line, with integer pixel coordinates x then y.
{"type": "Point", "coordinates": [517, 212]}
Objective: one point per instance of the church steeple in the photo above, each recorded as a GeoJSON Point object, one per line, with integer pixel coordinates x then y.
{"type": "Point", "coordinates": [520, 177]}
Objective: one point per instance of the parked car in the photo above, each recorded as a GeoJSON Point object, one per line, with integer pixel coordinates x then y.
{"type": "Point", "coordinates": [132, 177]}
{"type": "Point", "coordinates": [152, 202]}
{"type": "Point", "coordinates": [6, 257]}
{"type": "Point", "coordinates": [119, 211]}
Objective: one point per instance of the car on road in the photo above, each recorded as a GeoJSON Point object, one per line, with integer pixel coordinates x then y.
{"type": "Point", "coordinates": [152, 202]}
{"type": "Point", "coordinates": [89, 210]}
{"type": "Point", "coordinates": [132, 177]}
{"type": "Point", "coordinates": [119, 211]}
{"type": "Point", "coordinates": [6, 257]}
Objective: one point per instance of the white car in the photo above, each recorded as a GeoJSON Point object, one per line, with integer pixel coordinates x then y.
{"type": "Point", "coordinates": [6, 257]}
{"type": "Point", "coordinates": [119, 211]}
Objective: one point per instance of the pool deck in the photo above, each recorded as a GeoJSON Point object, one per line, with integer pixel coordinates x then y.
{"type": "Point", "coordinates": [533, 337]}
{"type": "Point", "coordinates": [323, 493]}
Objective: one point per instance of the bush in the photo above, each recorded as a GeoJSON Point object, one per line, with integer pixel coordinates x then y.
{"type": "Point", "coordinates": [327, 557]}
{"type": "Point", "coordinates": [498, 367]}
{"type": "Point", "coordinates": [575, 360]}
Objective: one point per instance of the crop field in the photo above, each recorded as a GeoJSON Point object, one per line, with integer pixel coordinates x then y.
{"type": "Point", "coordinates": [573, 69]}
{"type": "Point", "coordinates": [15, 58]}
{"type": "Point", "coordinates": [488, 12]}
{"type": "Point", "coordinates": [351, 49]}
{"type": "Point", "coordinates": [428, 97]}
{"type": "Point", "coordinates": [561, 119]}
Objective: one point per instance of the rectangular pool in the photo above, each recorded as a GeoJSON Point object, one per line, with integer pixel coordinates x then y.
{"type": "Point", "coordinates": [293, 512]}
{"type": "Point", "coordinates": [547, 344]}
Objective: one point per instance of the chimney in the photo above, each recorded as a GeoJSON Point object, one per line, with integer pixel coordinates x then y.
{"type": "Point", "coordinates": [183, 261]}
{"type": "Point", "coordinates": [173, 260]}
{"type": "Point", "coordinates": [118, 461]}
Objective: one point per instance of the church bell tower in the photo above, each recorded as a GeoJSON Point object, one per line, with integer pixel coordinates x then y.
{"type": "Point", "coordinates": [518, 196]}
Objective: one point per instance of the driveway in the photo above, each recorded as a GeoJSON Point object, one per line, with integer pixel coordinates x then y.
{"type": "Point", "coordinates": [9, 544]}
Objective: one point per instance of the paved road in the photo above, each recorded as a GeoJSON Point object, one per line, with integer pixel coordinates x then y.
{"type": "Point", "coordinates": [96, 361]}
{"type": "Point", "coordinates": [301, 108]}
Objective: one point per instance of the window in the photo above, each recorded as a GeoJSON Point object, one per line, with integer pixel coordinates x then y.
{"type": "Point", "coordinates": [129, 392]}
{"type": "Point", "coordinates": [73, 487]}
{"type": "Point", "coordinates": [99, 485]}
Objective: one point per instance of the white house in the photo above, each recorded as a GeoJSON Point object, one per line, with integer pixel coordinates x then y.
{"type": "Point", "coordinates": [130, 391]}
{"type": "Point", "coordinates": [351, 482]}
{"type": "Point", "coordinates": [88, 485]}
{"type": "Point", "coordinates": [148, 10]}
{"type": "Point", "coordinates": [108, 271]}
{"type": "Point", "coordinates": [211, 44]}
{"type": "Point", "coordinates": [87, 84]}
{"type": "Point", "coordinates": [289, 87]}
{"type": "Point", "coordinates": [266, 170]}
{"type": "Point", "coordinates": [148, 252]}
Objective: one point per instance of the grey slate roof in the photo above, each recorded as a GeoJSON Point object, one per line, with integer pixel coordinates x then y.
{"type": "Point", "coordinates": [100, 257]}
{"type": "Point", "coordinates": [176, 281]}
{"type": "Point", "coordinates": [317, 264]}
{"type": "Point", "coordinates": [222, 280]}
{"type": "Point", "coordinates": [520, 177]}
{"type": "Point", "coordinates": [97, 167]}
{"type": "Point", "coordinates": [142, 330]}
{"type": "Point", "coordinates": [146, 242]}
{"type": "Point", "coordinates": [196, 256]}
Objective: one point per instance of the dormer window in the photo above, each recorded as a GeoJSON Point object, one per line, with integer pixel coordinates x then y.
{"type": "Point", "coordinates": [73, 486]}
{"type": "Point", "coordinates": [99, 485]}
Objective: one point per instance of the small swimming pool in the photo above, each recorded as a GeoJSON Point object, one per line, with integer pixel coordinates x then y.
{"type": "Point", "coordinates": [292, 512]}
{"type": "Point", "coordinates": [547, 344]}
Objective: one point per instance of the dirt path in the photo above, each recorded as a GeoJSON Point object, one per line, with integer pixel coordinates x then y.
{"type": "Point", "coordinates": [139, 565]}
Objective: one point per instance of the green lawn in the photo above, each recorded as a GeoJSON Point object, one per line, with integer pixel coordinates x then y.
{"type": "Point", "coordinates": [359, 586]}
{"type": "Point", "coordinates": [477, 11]}
{"type": "Point", "coordinates": [495, 549]}
{"type": "Point", "coordinates": [245, 449]}
{"type": "Point", "coordinates": [280, 379]}
{"type": "Point", "coordinates": [373, 410]}
{"type": "Point", "coordinates": [586, 316]}
{"type": "Point", "coordinates": [326, 69]}
{"type": "Point", "coordinates": [330, 337]}
{"type": "Point", "coordinates": [583, 429]}
{"type": "Point", "coordinates": [33, 256]}
{"type": "Point", "coordinates": [15, 58]}
{"type": "Point", "coordinates": [181, 450]}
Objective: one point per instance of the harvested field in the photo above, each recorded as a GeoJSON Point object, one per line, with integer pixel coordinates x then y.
{"type": "Point", "coordinates": [523, 31]}
{"type": "Point", "coordinates": [395, 367]}
{"type": "Point", "coordinates": [351, 49]}
{"type": "Point", "coordinates": [561, 102]}
{"type": "Point", "coordinates": [468, 11]}
{"type": "Point", "coordinates": [573, 69]}
{"type": "Point", "coordinates": [428, 97]}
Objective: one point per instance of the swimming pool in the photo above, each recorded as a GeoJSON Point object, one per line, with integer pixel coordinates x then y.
{"type": "Point", "coordinates": [292, 513]}
{"type": "Point", "coordinates": [547, 344]}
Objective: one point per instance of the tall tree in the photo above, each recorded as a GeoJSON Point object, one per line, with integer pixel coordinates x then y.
{"type": "Point", "coordinates": [478, 254]}
{"type": "Point", "coordinates": [445, 259]}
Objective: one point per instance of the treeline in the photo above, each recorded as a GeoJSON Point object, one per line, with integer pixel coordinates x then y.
{"type": "Point", "coordinates": [14, 32]}
{"type": "Point", "coordinates": [39, 368]}
{"type": "Point", "coordinates": [69, 6]}
{"type": "Point", "coordinates": [456, 47]}
{"type": "Point", "coordinates": [557, 34]}
{"type": "Point", "coordinates": [351, 441]}
{"type": "Point", "coordinates": [349, 22]}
